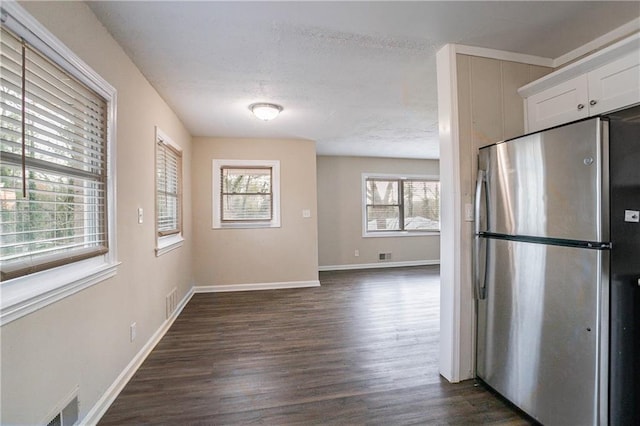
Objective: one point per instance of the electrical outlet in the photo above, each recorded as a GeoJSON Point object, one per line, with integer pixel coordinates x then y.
{"type": "Point", "coordinates": [356, 253]}
{"type": "Point", "coordinates": [132, 331]}
{"type": "Point", "coordinates": [306, 213]}
{"type": "Point", "coordinates": [140, 215]}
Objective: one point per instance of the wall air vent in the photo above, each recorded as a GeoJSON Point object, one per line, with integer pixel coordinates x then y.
{"type": "Point", "coordinates": [68, 415]}
{"type": "Point", "coordinates": [383, 257]}
{"type": "Point", "coordinates": [171, 302]}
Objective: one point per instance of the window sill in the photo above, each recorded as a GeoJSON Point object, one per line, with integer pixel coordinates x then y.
{"type": "Point", "coordinates": [168, 243]}
{"type": "Point", "coordinates": [246, 225]}
{"type": "Point", "coordinates": [400, 234]}
{"type": "Point", "coordinates": [24, 295]}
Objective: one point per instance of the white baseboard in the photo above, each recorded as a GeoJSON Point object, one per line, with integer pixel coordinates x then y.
{"type": "Point", "coordinates": [255, 286]}
{"type": "Point", "coordinates": [378, 265]}
{"type": "Point", "coordinates": [102, 405]}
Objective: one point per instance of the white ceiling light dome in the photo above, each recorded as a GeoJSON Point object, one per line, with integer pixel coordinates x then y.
{"type": "Point", "coordinates": [265, 111]}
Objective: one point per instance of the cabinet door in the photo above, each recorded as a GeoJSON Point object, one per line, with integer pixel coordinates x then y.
{"type": "Point", "coordinates": [558, 105]}
{"type": "Point", "coordinates": [615, 85]}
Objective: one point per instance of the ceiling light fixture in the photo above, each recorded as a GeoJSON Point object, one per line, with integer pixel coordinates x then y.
{"type": "Point", "coordinates": [265, 111]}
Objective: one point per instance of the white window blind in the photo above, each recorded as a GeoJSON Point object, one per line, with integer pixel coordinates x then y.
{"type": "Point", "coordinates": [246, 194]}
{"type": "Point", "coordinates": [168, 196]}
{"type": "Point", "coordinates": [53, 163]}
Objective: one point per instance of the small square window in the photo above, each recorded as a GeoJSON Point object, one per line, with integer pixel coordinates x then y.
{"type": "Point", "coordinates": [246, 193]}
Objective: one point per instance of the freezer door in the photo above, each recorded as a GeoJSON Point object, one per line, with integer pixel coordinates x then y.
{"type": "Point", "coordinates": [538, 330]}
{"type": "Point", "coordinates": [547, 184]}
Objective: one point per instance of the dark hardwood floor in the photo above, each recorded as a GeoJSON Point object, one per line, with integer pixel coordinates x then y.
{"type": "Point", "coordinates": [360, 349]}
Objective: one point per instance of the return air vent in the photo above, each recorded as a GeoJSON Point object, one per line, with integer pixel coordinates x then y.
{"type": "Point", "coordinates": [383, 257]}
{"type": "Point", "coordinates": [68, 416]}
{"type": "Point", "coordinates": [171, 302]}
{"type": "Point", "coordinates": [56, 421]}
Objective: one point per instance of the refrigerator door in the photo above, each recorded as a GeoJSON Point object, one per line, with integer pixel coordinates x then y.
{"type": "Point", "coordinates": [538, 329]}
{"type": "Point", "coordinates": [547, 184]}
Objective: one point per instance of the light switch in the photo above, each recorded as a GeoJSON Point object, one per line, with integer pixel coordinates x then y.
{"type": "Point", "coordinates": [306, 213]}
{"type": "Point", "coordinates": [632, 216]}
{"type": "Point", "coordinates": [140, 215]}
{"type": "Point", "coordinates": [468, 212]}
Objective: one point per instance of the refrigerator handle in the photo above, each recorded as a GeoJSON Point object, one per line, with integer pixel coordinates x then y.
{"type": "Point", "coordinates": [479, 282]}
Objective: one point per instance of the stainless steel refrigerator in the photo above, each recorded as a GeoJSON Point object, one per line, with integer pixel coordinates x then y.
{"type": "Point", "coordinates": [557, 271]}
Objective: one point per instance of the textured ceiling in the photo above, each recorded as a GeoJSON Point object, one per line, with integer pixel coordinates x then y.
{"type": "Point", "coordinates": [359, 78]}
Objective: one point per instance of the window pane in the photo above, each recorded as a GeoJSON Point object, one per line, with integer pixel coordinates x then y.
{"type": "Point", "coordinates": [421, 205]}
{"type": "Point", "coordinates": [382, 192]}
{"type": "Point", "coordinates": [246, 194]}
{"type": "Point", "coordinates": [246, 207]}
{"type": "Point", "coordinates": [59, 214]}
{"type": "Point", "coordinates": [167, 213]}
{"type": "Point", "coordinates": [246, 181]}
{"type": "Point", "coordinates": [168, 199]}
{"type": "Point", "coordinates": [383, 218]}
{"type": "Point", "coordinates": [53, 197]}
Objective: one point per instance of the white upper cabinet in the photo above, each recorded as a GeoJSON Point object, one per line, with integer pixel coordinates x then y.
{"type": "Point", "coordinates": [615, 85]}
{"type": "Point", "coordinates": [559, 104]}
{"type": "Point", "coordinates": [605, 81]}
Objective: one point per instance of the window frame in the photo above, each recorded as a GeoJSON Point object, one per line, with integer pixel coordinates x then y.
{"type": "Point", "coordinates": [218, 222]}
{"type": "Point", "coordinates": [165, 242]}
{"type": "Point", "coordinates": [29, 293]}
{"type": "Point", "coordinates": [400, 178]}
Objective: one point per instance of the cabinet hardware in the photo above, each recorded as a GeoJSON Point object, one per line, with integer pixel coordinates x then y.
{"type": "Point", "coordinates": [593, 102]}
{"type": "Point", "coordinates": [580, 106]}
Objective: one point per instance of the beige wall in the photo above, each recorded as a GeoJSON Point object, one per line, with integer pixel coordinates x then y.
{"type": "Point", "coordinates": [340, 213]}
{"type": "Point", "coordinates": [489, 110]}
{"type": "Point", "coordinates": [83, 340]}
{"type": "Point", "coordinates": [256, 256]}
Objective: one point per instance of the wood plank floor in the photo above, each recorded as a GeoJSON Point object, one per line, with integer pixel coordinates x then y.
{"type": "Point", "coordinates": [360, 349]}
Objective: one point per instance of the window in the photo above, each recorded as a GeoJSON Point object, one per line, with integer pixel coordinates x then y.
{"type": "Point", "coordinates": [56, 186]}
{"type": "Point", "coordinates": [168, 194]}
{"type": "Point", "coordinates": [246, 194]}
{"type": "Point", "coordinates": [395, 205]}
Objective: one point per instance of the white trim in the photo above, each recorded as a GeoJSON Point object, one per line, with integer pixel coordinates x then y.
{"type": "Point", "coordinates": [165, 139]}
{"type": "Point", "coordinates": [378, 265]}
{"type": "Point", "coordinates": [630, 27]}
{"type": "Point", "coordinates": [60, 406]}
{"type": "Point", "coordinates": [502, 55]}
{"type": "Point", "coordinates": [109, 396]}
{"type": "Point", "coordinates": [400, 234]}
{"type": "Point", "coordinates": [450, 217]}
{"type": "Point", "coordinates": [624, 30]}
{"type": "Point", "coordinates": [22, 23]}
{"type": "Point", "coordinates": [26, 294]}
{"type": "Point", "coordinates": [584, 65]}
{"type": "Point", "coordinates": [255, 286]}
{"type": "Point", "coordinates": [216, 188]}
{"type": "Point", "coordinates": [402, 176]}
{"type": "Point", "coordinates": [168, 243]}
